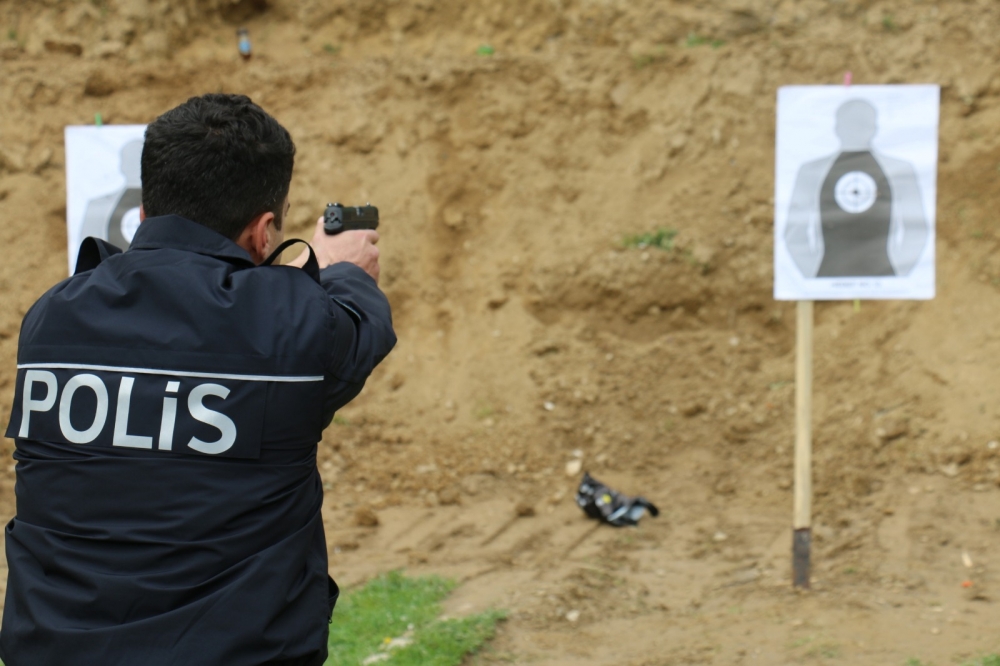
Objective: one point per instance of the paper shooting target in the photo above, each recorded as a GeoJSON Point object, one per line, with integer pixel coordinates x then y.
{"type": "Point", "coordinates": [855, 192]}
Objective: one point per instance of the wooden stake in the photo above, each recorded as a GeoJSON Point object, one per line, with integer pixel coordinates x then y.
{"type": "Point", "coordinates": [802, 518]}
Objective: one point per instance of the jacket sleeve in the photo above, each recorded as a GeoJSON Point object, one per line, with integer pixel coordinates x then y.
{"type": "Point", "coordinates": [362, 333]}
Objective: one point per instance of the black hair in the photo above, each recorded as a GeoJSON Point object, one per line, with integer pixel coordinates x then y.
{"type": "Point", "coordinates": [219, 160]}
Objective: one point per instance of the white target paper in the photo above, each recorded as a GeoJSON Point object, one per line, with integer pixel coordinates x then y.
{"type": "Point", "coordinates": [855, 192]}
{"type": "Point", "coordinates": [103, 184]}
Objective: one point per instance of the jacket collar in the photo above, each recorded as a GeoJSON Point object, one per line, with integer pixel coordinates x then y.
{"type": "Point", "coordinates": [179, 233]}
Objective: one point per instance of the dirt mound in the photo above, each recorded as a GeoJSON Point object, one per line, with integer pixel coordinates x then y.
{"type": "Point", "coordinates": [513, 148]}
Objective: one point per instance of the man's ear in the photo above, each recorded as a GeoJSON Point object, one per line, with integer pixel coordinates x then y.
{"type": "Point", "coordinates": [142, 213]}
{"type": "Point", "coordinates": [254, 238]}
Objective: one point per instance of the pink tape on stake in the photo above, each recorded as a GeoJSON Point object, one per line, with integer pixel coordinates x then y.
{"type": "Point", "coordinates": [847, 78]}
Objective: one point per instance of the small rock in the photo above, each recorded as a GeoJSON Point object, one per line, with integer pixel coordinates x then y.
{"type": "Point", "coordinates": [524, 510]}
{"type": "Point", "coordinates": [950, 470]}
{"type": "Point", "coordinates": [100, 84]}
{"type": "Point", "coordinates": [573, 467]}
{"type": "Point", "coordinates": [11, 160]}
{"type": "Point", "coordinates": [418, 557]}
{"type": "Point", "coordinates": [449, 496]}
{"type": "Point", "coordinates": [719, 537]}
{"type": "Point", "coordinates": [725, 486]}
{"type": "Point", "coordinates": [62, 45]}
{"type": "Point", "coordinates": [397, 381]}
{"type": "Point", "coordinates": [40, 159]}
{"type": "Point", "coordinates": [892, 431]}
{"type": "Point", "coordinates": [549, 406]}
{"type": "Point", "coordinates": [346, 546]}
{"type": "Point", "coordinates": [573, 615]}
{"type": "Point", "coordinates": [365, 516]}
{"type": "Point", "coordinates": [9, 50]}
{"type": "Point", "coordinates": [677, 144]}
{"type": "Point", "coordinates": [693, 409]}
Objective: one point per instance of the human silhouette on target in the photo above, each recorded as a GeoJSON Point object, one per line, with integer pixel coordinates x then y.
{"type": "Point", "coordinates": [115, 217]}
{"type": "Point", "coordinates": [856, 213]}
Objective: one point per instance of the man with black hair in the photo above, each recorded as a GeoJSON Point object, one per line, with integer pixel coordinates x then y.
{"type": "Point", "coordinates": [168, 406]}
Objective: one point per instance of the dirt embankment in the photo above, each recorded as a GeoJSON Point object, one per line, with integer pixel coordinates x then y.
{"type": "Point", "coordinates": [530, 336]}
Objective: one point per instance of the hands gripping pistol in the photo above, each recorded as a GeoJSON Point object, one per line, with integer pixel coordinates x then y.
{"type": "Point", "coordinates": [339, 218]}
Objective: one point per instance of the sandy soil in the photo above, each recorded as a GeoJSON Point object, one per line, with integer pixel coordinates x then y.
{"type": "Point", "coordinates": [506, 183]}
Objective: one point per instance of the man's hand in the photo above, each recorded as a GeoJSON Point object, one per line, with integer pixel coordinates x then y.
{"type": "Point", "coordinates": [356, 246]}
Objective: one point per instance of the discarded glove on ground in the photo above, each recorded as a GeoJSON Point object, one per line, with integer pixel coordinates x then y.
{"type": "Point", "coordinates": [610, 506]}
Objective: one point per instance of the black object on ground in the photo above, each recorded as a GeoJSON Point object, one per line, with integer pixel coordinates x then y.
{"type": "Point", "coordinates": [610, 506]}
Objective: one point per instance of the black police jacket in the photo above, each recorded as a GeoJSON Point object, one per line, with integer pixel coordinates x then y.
{"type": "Point", "coordinates": [167, 412]}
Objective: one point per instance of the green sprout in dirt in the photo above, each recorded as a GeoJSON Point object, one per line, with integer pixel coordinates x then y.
{"type": "Point", "coordinates": [331, 49]}
{"type": "Point", "coordinates": [340, 420]}
{"type": "Point", "coordinates": [662, 239]}
{"type": "Point", "coordinates": [484, 411]}
{"type": "Point", "coordinates": [12, 34]}
{"type": "Point", "coordinates": [398, 617]}
{"type": "Point", "coordinates": [694, 39]}
{"type": "Point", "coordinates": [889, 23]}
{"type": "Point", "coordinates": [485, 50]}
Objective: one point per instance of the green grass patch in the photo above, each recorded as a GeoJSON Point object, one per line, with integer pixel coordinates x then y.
{"type": "Point", "coordinates": [395, 610]}
{"type": "Point", "coordinates": [694, 39]}
{"type": "Point", "coordinates": [988, 660]}
{"type": "Point", "coordinates": [662, 239]}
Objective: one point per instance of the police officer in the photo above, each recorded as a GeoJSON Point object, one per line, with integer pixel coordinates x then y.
{"type": "Point", "coordinates": [168, 406]}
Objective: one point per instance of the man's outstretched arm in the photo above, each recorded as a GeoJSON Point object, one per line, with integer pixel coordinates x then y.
{"type": "Point", "coordinates": [360, 317]}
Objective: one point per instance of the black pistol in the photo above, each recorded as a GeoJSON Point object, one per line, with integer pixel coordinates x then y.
{"type": "Point", "coordinates": [339, 217]}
